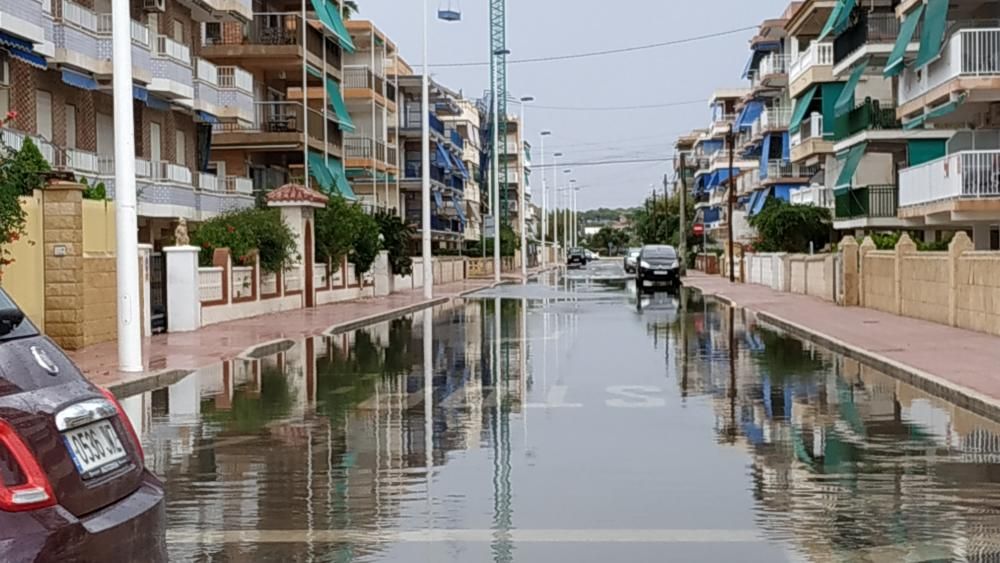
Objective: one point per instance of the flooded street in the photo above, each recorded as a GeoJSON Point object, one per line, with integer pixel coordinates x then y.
{"type": "Point", "coordinates": [568, 420]}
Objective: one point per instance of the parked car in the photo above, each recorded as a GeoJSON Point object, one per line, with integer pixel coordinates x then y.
{"type": "Point", "coordinates": [577, 258]}
{"type": "Point", "coordinates": [73, 483]}
{"type": "Point", "coordinates": [658, 266]}
{"type": "Point", "coordinates": [631, 260]}
{"type": "Point", "coordinates": [591, 255]}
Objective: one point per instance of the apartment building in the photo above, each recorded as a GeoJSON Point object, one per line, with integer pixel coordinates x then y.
{"type": "Point", "coordinates": [947, 64]}
{"type": "Point", "coordinates": [468, 125]}
{"type": "Point", "coordinates": [370, 91]}
{"type": "Point", "coordinates": [712, 180]}
{"type": "Point", "coordinates": [765, 121]}
{"type": "Point", "coordinates": [57, 76]}
{"type": "Point", "coordinates": [516, 156]}
{"type": "Point", "coordinates": [299, 116]}
{"type": "Point", "coordinates": [448, 170]}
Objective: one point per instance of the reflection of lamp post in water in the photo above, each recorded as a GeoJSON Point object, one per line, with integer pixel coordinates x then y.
{"type": "Point", "coordinates": [428, 334]}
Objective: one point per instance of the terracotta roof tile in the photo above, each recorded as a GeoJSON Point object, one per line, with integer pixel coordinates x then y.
{"type": "Point", "coordinates": [296, 192]}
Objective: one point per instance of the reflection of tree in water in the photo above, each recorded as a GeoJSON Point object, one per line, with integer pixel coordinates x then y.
{"type": "Point", "coordinates": [785, 359]}
{"type": "Point", "coordinates": [399, 357]}
{"type": "Point", "coordinates": [342, 376]}
{"type": "Point", "coordinates": [250, 412]}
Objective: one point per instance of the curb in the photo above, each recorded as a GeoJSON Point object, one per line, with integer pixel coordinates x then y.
{"type": "Point", "coordinates": [961, 396]}
{"type": "Point", "coordinates": [168, 377]}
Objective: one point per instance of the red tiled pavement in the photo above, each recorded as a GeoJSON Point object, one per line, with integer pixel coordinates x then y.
{"type": "Point", "coordinates": [958, 359]}
{"type": "Point", "coordinates": [192, 350]}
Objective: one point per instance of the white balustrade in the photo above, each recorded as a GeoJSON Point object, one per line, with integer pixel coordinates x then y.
{"type": "Point", "coordinates": [969, 52]}
{"type": "Point", "coordinates": [239, 185]}
{"type": "Point", "coordinates": [209, 182]}
{"type": "Point", "coordinates": [143, 168]}
{"type": "Point", "coordinates": [139, 32]}
{"type": "Point", "coordinates": [967, 174]}
{"type": "Point", "coordinates": [210, 284]}
{"type": "Point", "coordinates": [236, 78]}
{"type": "Point", "coordinates": [167, 47]}
{"type": "Point", "coordinates": [818, 54]}
{"type": "Point", "coordinates": [79, 16]}
{"type": "Point", "coordinates": [81, 161]}
{"type": "Point", "coordinates": [206, 72]}
{"type": "Point", "coordinates": [242, 282]}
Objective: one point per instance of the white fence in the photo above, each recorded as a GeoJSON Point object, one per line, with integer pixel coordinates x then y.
{"type": "Point", "coordinates": [242, 283]}
{"type": "Point", "coordinates": [969, 52]}
{"type": "Point", "coordinates": [293, 281]}
{"type": "Point", "coordinates": [967, 174]}
{"type": "Point", "coordinates": [210, 287]}
{"type": "Point", "coordinates": [206, 72]}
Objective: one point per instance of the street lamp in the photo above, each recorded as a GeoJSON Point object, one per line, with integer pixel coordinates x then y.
{"type": "Point", "coordinates": [566, 225]}
{"type": "Point", "coordinates": [575, 231]}
{"type": "Point", "coordinates": [555, 216]}
{"type": "Point", "coordinates": [545, 211]}
{"type": "Point", "coordinates": [522, 212]}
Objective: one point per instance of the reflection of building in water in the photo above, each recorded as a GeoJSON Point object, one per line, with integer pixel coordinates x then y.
{"type": "Point", "coordinates": [847, 461]}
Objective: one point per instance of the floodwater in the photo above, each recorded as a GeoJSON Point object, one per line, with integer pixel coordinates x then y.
{"type": "Point", "coordinates": [582, 423]}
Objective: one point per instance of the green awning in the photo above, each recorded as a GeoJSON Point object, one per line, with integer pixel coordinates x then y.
{"type": "Point", "coordinates": [801, 107]}
{"type": "Point", "coordinates": [851, 163]}
{"type": "Point", "coordinates": [314, 71]}
{"type": "Point", "coordinates": [322, 12]}
{"type": "Point", "coordinates": [932, 35]}
{"type": "Point", "coordinates": [845, 102]}
{"type": "Point", "coordinates": [318, 169]}
{"type": "Point", "coordinates": [339, 107]}
{"type": "Point", "coordinates": [845, 16]}
{"type": "Point", "coordinates": [915, 123]}
{"type": "Point", "coordinates": [336, 170]}
{"type": "Point", "coordinates": [832, 20]}
{"type": "Point", "coordinates": [338, 28]}
{"type": "Point", "coordinates": [896, 59]}
{"type": "Point", "coordinates": [947, 108]}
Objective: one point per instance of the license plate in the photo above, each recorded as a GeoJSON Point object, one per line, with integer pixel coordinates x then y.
{"type": "Point", "coordinates": [95, 448]}
{"type": "Point", "coordinates": [649, 283]}
{"type": "Point", "coordinates": [661, 272]}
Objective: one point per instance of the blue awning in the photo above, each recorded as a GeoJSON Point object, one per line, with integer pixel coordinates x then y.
{"type": "Point", "coordinates": [753, 202]}
{"type": "Point", "coordinates": [459, 204]}
{"type": "Point", "coordinates": [153, 102]}
{"type": "Point", "coordinates": [140, 93]}
{"type": "Point", "coordinates": [438, 200]}
{"type": "Point", "coordinates": [15, 42]}
{"type": "Point", "coordinates": [786, 146]}
{"type": "Point", "coordinates": [78, 80]}
{"type": "Point", "coordinates": [751, 111]}
{"type": "Point", "coordinates": [442, 158]}
{"type": "Point", "coordinates": [719, 177]}
{"type": "Point", "coordinates": [29, 57]}
{"type": "Point", "coordinates": [206, 117]}
{"type": "Point", "coordinates": [459, 166]}
{"type": "Point", "coordinates": [765, 155]}
{"type": "Point", "coordinates": [784, 191]}
{"type": "Point", "coordinates": [761, 200]}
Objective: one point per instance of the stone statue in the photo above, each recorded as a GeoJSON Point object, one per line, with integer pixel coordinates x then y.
{"type": "Point", "coordinates": [181, 237]}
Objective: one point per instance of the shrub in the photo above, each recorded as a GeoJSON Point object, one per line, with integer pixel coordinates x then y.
{"type": "Point", "coordinates": [246, 232]}
{"type": "Point", "coordinates": [783, 227]}
{"type": "Point", "coordinates": [27, 168]}
{"type": "Point", "coordinates": [366, 241]}
{"type": "Point", "coordinates": [97, 191]}
{"type": "Point", "coordinates": [12, 186]}
{"type": "Point", "coordinates": [344, 229]}
{"type": "Point", "coordinates": [396, 236]}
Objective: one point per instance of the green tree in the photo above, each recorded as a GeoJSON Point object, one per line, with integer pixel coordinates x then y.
{"type": "Point", "coordinates": [366, 241]}
{"type": "Point", "coordinates": [349, 9]}
{"type": "Point", "coordinates": [26, 172]}
{"type": "Point", "coordinates": [783, 227]}
{"type": "Point", "coordinates": [396, 236]}
{"type": "Point", "coordinates": [344, 229]}
{"type": "Point", "coordinates": [245, 232]}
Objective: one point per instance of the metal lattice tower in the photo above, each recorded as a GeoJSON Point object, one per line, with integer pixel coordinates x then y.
{"type": "Point", "coordinates": [498, 85]}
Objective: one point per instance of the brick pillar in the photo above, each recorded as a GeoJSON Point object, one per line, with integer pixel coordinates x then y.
{"type": "Point", "coordinates": [851, 283]}
{"type": "Point", "coordinates": [62, 235]}
{"type": "Point", "coordinates": [867, 246]}
{"type": "Point", "coordinates": [904, 247]}
{"type": "Point", "coordinates": [959, 245]}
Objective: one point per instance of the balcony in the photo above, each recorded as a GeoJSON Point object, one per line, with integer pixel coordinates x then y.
{"type": "Point", "coordinates": [362, 82]}
{"type": "Point", "coordinates": [206, 87]}
{"type": "Point", "coordinates": [775, 119]}
{"type": "Point", "coordinates": [277, 125]}
{"type": "Point", "coordinates": [773, 70]}
{"type": "Point", "coordinates": [271, 42]}
{"type": "Point", "coordinates": [811, 139]}
{"type": "Point", "coordinates": [411, 120]}
{"type": "Point", "coordinates": [872, 34]}
{"type": "Point", "coordinates": [811, 128]}
{"type": "Point", "coordinates": [781, 171]}
{"type": "Point", "coordinates": [962, 175]}
{"type": "Point", "coordinates": [969, 57]}
{"type": "Point", "coordinates": [819, 196]}
{"type": "Point", "coordinates": [235, 93]}
{"type": "Point", "coordinates": [365, 152]}
{"type": "Point", "coordinates": [721, 124]}
{"type": "Point", "coordinates": [220, 10]}
{"type": "Point", "coordinates": [813, 66]}
{"type": "Point", "coordinates": [869, 116]}
{"type": "Point", "coordinates": [141, 48]}
{"type": "Point", "coordinates": [869, 202]}
{"type": "Point", "coordinates": [173, 72]}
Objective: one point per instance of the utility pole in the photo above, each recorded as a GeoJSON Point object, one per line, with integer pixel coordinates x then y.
{"type": "Point", "coordinates": [682, 242]}
{"type": "Point", "coordinates": [730, 139]}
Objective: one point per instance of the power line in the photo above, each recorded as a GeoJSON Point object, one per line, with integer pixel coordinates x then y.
{"type": "Point", "coordinates": [666, 158]}
{"type": "Point", "coordinates": [604, 52]}
{"type": "Point", "coordinates": [617, 108]}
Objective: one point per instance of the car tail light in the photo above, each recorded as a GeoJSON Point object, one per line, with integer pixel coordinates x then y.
{"type": "Point", "coordinates": [127, 422]}
{"type": "Point", "coordinates": [23, 484]}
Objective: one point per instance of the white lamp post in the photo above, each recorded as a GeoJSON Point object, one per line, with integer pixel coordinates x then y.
{"type": "Point", "coordinates": [555, 195]}
{"type": "Point", "coordinates": [523, 210]}
{"type": "Point", "coordinates": [425, 167]}
{"type": "Point", "coordinates": [545, 209]}
{"type": "Point", "coordinates": [566, 224]}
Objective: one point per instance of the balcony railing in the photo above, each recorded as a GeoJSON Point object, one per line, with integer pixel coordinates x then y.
{"type": "Point", "coordinates": [271, 117]}
{"type": "Point", "coordinates": [967, 174]}
{"type": "Point", "coordinates": [234, 77]}
{"type": "Point", "coordinates": [869, 201]}
{"type": "Point", "coordinates": [775, 118]}
{"type": "Point", "coordinates": [819, 196]}
{"type": "Point", "coordinates": [774, 64]}
{"type": "Point", "coordinates": [139, 32]}
{"type": "Point", "coordinates": [818, 54]}
{"type": "Point", "coordinates": [411, 120]}
{"type": "Point", "coordinates": [368, 148]}
{"type": "Point", "coordinates": [81, 161]}
{"type": "Point", "coordinates": [779, 169]}
{"type": "Point", "coordinates": [359, 76]}
{"type": "Point", "coordinates": [878, 27]}
{"type": "Point", "coordinates": [870, 115]}
{"type": "Point", "coordinates": [969, 52]}
{"type": "Point", "coordinates": [79, 16]}
{"type": "Point", "coordinates": [277, 28]}
{"type": "Point", "coordinates": [168, 48]}
{"type": "Point", "coordinates": [239, 185]}
{"type": "Point", "coordinates": [168, 172]}
{"type": "Point", "coordinates": [811, 128]}
{"type": "Point", "coordinates": [206, 72]}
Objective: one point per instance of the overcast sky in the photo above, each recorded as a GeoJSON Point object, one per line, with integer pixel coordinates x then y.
{"type": "Point", "coordinates": [540, 28]}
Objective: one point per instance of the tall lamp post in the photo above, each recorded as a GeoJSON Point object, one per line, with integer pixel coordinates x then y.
{"type": "Point", "coordinates": [522, 209]}
{"type": "Point", "coordinates": [425, 168]}
{"type": "Point", "coordinates": [575, 222]}
{"type": "Point", "coordinates": [545, 209]}
{"type": "Point", "coordinates": [566, 225]}
{"type": "Point", "coordinates": [555, 201]}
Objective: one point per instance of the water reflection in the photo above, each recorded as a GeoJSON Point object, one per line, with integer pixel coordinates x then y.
{"type": "Point", "coordinates": [500, 417]}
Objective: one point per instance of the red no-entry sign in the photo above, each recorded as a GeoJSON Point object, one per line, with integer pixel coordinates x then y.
{"type": "Point", "coordinates": [699, 229]}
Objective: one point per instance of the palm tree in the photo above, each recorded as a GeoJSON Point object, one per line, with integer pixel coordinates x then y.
{"type": "Point", "coordinates": [350, 7]}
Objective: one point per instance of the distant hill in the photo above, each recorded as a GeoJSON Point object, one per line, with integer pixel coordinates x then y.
{"type": "Point", "coordinates": [605, 216]}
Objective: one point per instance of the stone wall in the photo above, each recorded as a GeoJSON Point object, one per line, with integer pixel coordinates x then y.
{"type": "Point", "coordinates": [977, 299]}
{"type": "Point", "coordinates": [924, 291]}
{"type": "Point", "coordinates": [795, 273]}
{"type": "Point", "coordinates": [62, 226]}
{"type": "Point", "coordinates": [100, 310]}
{"type": "Point", "coordinates": [878, 280]}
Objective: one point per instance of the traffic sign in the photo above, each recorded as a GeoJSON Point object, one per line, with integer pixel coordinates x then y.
{"type": "Point", "coordinates": [699, 229]}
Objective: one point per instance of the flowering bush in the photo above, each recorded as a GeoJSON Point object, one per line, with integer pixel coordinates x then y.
{"type": "Point", "coordinates": [11, 188]}
{"type": "Point", "coordinates": [248, 233]}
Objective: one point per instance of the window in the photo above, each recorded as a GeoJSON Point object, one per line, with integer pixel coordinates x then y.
{"type": "Point", "coordinates": [70, 126]}
{"type": "Point", "coordinates": [4, 87]}
{"type": "Point", "coordinates": [180, 148]}
{"type": "Point", "coordinates": [212, 32]}
{"type": "Point", "coordinates": [43, 114]}
{"type": "Point", "coordinates": [178, 34]}
{"type": "Point", "coordinates": [155, 140]}
{"type": "Point", "coordinates": [105, 135]}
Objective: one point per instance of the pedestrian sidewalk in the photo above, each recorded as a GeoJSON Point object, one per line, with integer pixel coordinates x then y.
{"type": "Point", "coordinates": [169, 357]}
{"type": "Point", "coordinates": [958, 365]}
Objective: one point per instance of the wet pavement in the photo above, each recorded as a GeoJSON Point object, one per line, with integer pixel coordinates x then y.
{"type": "Point", "coordinates": [582, 423]}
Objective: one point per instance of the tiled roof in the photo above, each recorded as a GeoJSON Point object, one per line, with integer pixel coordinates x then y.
{"type": "Point", "coordinates": [290, 193]}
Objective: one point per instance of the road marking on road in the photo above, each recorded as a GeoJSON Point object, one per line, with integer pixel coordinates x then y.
{"type": "Point", "coordinates": [218, 537]}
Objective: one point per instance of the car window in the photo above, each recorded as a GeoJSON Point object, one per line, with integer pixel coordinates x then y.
{"type": "Point", "coordinates": [11, 326]}
{"type": "Point", "coordinates": [659, 253]}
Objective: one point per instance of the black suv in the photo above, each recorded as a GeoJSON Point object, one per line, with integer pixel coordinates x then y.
{"type": "Point", "coordinates": [657, 266]}
{"type": "Point", "coordinates": [577, 258]}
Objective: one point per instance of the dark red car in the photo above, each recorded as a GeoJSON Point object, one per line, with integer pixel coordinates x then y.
{"type": "Point", "coordinates": [73, 484]}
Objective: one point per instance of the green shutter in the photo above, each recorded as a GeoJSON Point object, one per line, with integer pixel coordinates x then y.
{"type": "Point", "coordinates": [844, 17]}
{"type": "Point", "coordinates": [851, 163]}
{"type": "Point", "coordinates": [915, 123]}
{"type": "Point", "coordinates": [315, 72]}
{"type": "Point", "coordinates": [920, 151]}
{"type": "Point", "coordinates": [832, 20]}
{"type": "Point", "coordinates": [945, 109]}
{"type": "Point", "coordinates": [932, 35]}
{"type": "Point", "coordinates": [830, 92]}
{"type": "Point", "coordinates": [896, 59]}
{"type": "Point", "coordinates": [339, 107]}
{"type": "Point", "coordinates": [338, 28]}
{"type": "Point", "coordinates": [335, 169]}
{"type": "Point", "coordinates": [801, 107]}
{"type": "Point", "coordinates": [845, 102]}
{"type": "Point", "coordinates": [318, 169]}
